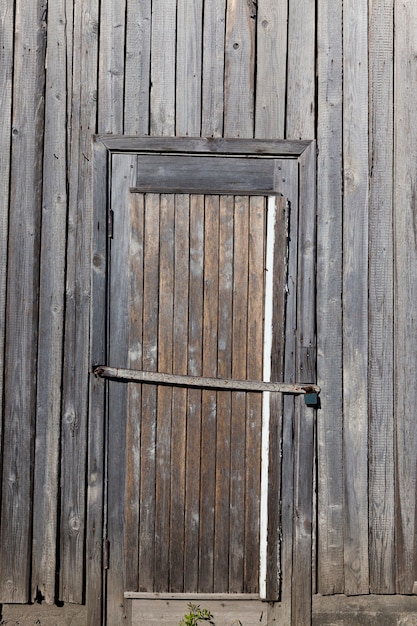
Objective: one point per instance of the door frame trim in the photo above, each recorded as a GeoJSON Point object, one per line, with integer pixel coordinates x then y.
{"type": "Point", "coordinates": [300, 189]}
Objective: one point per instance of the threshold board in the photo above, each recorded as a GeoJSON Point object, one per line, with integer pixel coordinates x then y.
{"type": "Point", "coordinates": [148, 609]}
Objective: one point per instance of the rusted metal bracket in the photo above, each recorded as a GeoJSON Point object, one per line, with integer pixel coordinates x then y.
{"type": "Point", "coordinates": [203, 382]}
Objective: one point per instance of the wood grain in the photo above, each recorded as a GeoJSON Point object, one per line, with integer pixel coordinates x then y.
{"type": "Point", "coordinates": [224, 400]}
{"type": "Point", "coordinates": [212, 103]}
{"type": "Point", "coordinates": [117, 476]}
{"type": "Point", "coordinates": [111, 63]}
{"type": "Point", "coordinates": [355, 297]}
{"type": "Point", "coordinates": [164, 400]}
{"type": "Point", "coordinates": [271, 68]}
{"type": "Point", "coordinates": [209, 397]}
{"type": "Point", "coordinates": [135, 245]}
{"type": "Point", "coordinates": [238, 418]}
{"type": "Point", "coordinates": [149, 396]}
{"type": "Point", "coordinates": [19, 401]}
{"type": "Point", "coordinates": [137, 68]}
{"type": "Point", "coordinates": [381, 350]}
{"type": "Point", "coordinates": [179, 396]}
{"type": "Point", "coordinates": [195, 364]}
{"type": "Point", "coordinates": [51, 316]}
{"type": "Point", "coordinates": [6, 93]}
{"type": "Point", "coordinates": [163, 58]}
{"type": "Point", "coordinates": [239, 70]}
{"type": "Point", "coordinates": [76, 362]}
{"type": "Point", "coordinates": [330, 548]}
{"type": "Point", "coordinates": [300, 92]}
{"type": "Point", "coordinates": [189, 37]}
{"type": "Point", "coordinates": [404, 295]}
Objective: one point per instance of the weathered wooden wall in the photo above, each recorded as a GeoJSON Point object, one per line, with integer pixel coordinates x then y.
{"type": "Point", "coordinates": [296, 69]}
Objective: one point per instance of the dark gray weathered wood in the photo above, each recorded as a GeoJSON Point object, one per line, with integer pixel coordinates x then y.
{"type": "Point", "coordinates": [19, 401]}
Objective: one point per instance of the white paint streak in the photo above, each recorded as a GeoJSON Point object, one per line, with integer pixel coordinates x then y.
{"type": "Point", "coordinates": [269, 285]}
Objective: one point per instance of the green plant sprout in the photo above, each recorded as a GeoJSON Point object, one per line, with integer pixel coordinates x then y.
{"type": "Point", "coordinates": [197, 615]}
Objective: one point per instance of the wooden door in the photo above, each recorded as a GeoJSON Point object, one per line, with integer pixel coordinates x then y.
{"type": "Point", "coordinates": [196, 288]}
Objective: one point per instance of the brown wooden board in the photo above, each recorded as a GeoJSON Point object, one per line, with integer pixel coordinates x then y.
{"type": "Point", "coordinates": [179, 396]}
{"type": "Point", "coordinates": [224, 400]}
{"type": "Point", "coordinates": [149, 395]}
{"type": "Point", "coordinates": [195, 364]}
{"type": "Point", "coordinates": [210, 413]}
{"type": "Point", "coordinates": [164, 415]}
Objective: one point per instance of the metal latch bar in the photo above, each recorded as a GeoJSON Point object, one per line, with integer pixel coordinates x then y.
{"type": "Point", "coordinates": [203, 382]}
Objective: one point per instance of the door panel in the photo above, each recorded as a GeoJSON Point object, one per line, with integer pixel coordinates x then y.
{"type": "Point", "coordinates": [187, 296]}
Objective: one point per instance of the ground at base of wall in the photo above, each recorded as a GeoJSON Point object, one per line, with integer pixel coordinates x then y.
{"type": "Point", "coordinates": [365, 611]}
{"type": "Point", "coordinates": [43, 615]}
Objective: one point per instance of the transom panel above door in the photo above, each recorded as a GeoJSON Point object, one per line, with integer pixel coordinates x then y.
{"type": "Point", "coordinates": [202, 292]}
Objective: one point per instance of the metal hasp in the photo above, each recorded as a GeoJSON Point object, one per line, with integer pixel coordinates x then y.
{"type": "Point", "coordinates": [306, 389]}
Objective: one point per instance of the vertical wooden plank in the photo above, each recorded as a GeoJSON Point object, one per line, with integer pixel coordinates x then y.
{"type": "Point", "coordinates": [256, 265]}
{"type": "Point", "coordinates": [286, 176]}
{"type": "Point", "coordinates": [163, 429]}
{"type": "Point", "coordinates": [179, 396]}
{"type": "Point", "coordinates": [224, 399]}
{"type": "Point", "coordinates": [137, 67]}
{"type": "Point", "coordinates": [329, 301]}
{"type": "Point", "coordinates": [77, 306]}
{"type": "Point", "coordinates": [381, 351]}
{"type": "Point", "coordinates": [164, 16]}
{"type": "Point", "coordinates": [405, 246]}
{"type": "Point", "coordinates": [6, 90]}
{"type": "Point", "coordinates": [22, 298]}
{"type": "Point", "coordinates": [300, 122]}
{"type": "Point", "coordinates": [271, 69]}
{"type": "Point", "coordinates": [195, 356]}
{"type": "Point", "coordinates": [149, 395]}
{"type": "Point", "coordinates": [239, 69]}
{"type": "Point", "coordinates": [355, 294]}
{"type": "Point", "coordinates": [238, 419]}
{"type": "Point", "coordinates": [51, 313]}
{"type": "Point", "coordinates": [122, 176]}
{"type": "Point", "coordinates": [213, 69]}
{"type": "Point", "coordinates": [209, 398]}
{"type": "Point", "coordinates": [96, 430]}
{"type": "Point", "coordinates": [134, 391]}
{"type": "Point", "coordinates": [111, 66]}
{"type": "Point", "coordinates": [280, 268]}
{"type": "Point", "coordinates": [189, 68]}
{"type": "Point", "coordinates": [306, 371]}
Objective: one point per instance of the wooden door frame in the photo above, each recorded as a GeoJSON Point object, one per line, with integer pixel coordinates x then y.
{"type": "Point", "coordinates": [294, 176]}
